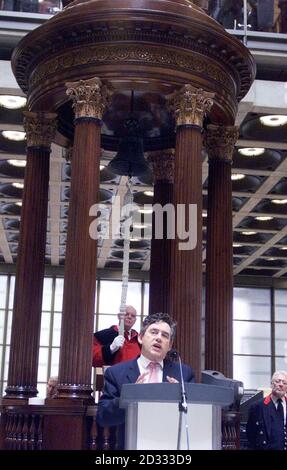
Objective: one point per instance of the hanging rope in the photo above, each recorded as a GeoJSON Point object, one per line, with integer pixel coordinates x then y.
{"type": "Point", "coordinates": [126, 233]}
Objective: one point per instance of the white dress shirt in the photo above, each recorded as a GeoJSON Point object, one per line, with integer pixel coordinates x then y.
{"type": "Point", "coordinates": [143, 364]}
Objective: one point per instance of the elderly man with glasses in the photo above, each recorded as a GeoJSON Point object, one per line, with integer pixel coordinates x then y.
{"type": "Point", "coordinates": [266, 426]}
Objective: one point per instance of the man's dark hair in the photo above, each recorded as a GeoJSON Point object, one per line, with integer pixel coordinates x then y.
{"type": "Point", "coordinates": [156, 317]}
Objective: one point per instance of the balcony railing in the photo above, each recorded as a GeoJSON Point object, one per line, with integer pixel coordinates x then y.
{"type": "Point", "coordinates": [268, 16]}
{"type": "Point", "coordinates": [47, 7]}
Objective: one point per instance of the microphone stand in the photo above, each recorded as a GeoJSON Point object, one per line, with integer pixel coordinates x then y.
{"type": "Point", "coordinates": [182, 407]}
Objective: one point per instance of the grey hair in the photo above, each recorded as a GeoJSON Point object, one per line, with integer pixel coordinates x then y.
{"type": "Point", "coordinates": [279, 372]}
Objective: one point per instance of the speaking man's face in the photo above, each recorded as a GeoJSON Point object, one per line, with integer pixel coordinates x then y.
{"type": "Point", "coordinates": [156, 341]}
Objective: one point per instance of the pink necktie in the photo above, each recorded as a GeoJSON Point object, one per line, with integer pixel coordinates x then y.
{"type": "Point", "coordinates": [154, 368]}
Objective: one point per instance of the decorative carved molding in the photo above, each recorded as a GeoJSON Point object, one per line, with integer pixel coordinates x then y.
{"type": "Point", "coordinates": [162, 163]}
{"type": "Point", "coordinates": [40, 128]}
{"type": "Point", "coordinates": [220, 141]}
{"type": "Point", "coordinates": [190, 104]}
{"type": "Point", "coordinates": [85, 39]}
{"type": "Point", "coordinates": [89, 97]}
{"type": "Point", "coordinates": [114, 54]}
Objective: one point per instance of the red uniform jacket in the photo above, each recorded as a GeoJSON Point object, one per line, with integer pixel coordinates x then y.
{"type": "Point", "coordinates": [101, 348]}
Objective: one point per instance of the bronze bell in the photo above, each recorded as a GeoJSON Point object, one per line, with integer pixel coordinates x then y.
{"type": "Point", "coordinates": [130, 159]}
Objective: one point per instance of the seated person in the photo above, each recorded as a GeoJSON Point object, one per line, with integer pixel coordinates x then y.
{"type": "Point", "coordinates": [156, 337]}
{"type": "Point", "coordinates": [52, 387]}
{"type": "Point", "coordinates": [111, 348]}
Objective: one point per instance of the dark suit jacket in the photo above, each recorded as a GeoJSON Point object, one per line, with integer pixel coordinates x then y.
{"type": "Point", "coordinates": [259, 424]}
{"type": "Point", "coordinates": [109, 413]}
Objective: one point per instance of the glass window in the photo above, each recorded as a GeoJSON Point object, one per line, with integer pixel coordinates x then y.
{"type": "Point", "coordinates": [57, 329]}
{"type": "Point", "coordinates": [59, 294]}
{"type": "Point", "coordinates": [280, 305]}
{"type": "Point", "coordinates": [255, 372]}
{"type": "Point", "coordinates": [281, 363]}
{"type": "Point", "coordinates": [105, 321]}
{"type": "Point", "coordinates": [251, 338]}
{"type": "Point", "coordinates": [43, 365]}
{"type": "Point", "coordinates": [2, 323]}
{"type": "Point", "coordinates": [47, 294]}
{"type": "Point", "coordinates": [3, 291]}
{"type": "Point", "coordinates": [110, 296]}
{"type": "Point", "coordinates": [11, 293]}
{"type": "Point", "coordinates": [6, 362]}
{"type": "Point", "coordinates": [146, 298]}
{"type": "Point", "coordinates": [280, 339]}
{"type": "Point", "coordinates": [45, 329]}
{"type": "Point", "coordinates": [55, 361]}
{"type": "Point", "coordinates": [251, 304]}
{"type": "Point", "coordinates": [9, 326]}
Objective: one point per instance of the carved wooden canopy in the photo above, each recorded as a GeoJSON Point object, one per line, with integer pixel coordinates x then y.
{"type": "Point", "coordinates": [150, 46]}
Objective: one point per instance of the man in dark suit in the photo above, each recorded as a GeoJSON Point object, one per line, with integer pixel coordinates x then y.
{"type": "Point", "coordinates": [156, 337]}
{"type": "Point", "coordinates": [266, 426]}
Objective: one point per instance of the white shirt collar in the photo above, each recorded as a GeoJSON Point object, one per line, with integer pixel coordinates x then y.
{"type": "Point", "coordinates": [144, 362]}
{"type": "Point", "coordinates": [275, 400]}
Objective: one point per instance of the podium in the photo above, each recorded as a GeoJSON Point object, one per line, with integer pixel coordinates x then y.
{"type": "Point", "coordinates": [152, 415]}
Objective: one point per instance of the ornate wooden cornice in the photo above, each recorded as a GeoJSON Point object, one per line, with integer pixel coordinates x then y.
{"type": "Point", "coordinates": [170, 42]}
{"type": "Point", "coordinates": [132, 54]}
{"type": "Point", "coordinates": [221, 53]}
{"type": "Point", "coordinates": [220, 141]}
{"type": "Point", "coordinates": [40, 128]}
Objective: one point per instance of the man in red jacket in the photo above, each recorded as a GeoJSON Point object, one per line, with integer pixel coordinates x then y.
{"type": "Point", "coordinates": [110, 347]}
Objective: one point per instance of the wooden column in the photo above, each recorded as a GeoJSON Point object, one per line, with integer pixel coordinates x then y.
{"type": "Point", "coordinates": [159, 291]}
{"type": "Point", "coordinates": [220, 143]}
{"type": "Point", "coordinates": [89, 100]}
{"type": "Point", "coordinates": [23, 365]}
{"type": "Point", "coordinates": [190, 105]}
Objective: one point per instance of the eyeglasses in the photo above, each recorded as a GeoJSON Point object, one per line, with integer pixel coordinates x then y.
{"type": "Point", "coordinates": [278, 381]}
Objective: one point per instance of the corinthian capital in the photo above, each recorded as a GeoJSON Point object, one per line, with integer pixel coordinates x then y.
{"type": "Point", "coordinates": [162, 163]}
{"type": "Point", "coordinates": [190, 104]}
{"type": "Point", "coordinates": [40, 128]}
{"type": "Point", "coordinates": [220, 141]}
{"type": "Point", "coordinates": [89, 97]}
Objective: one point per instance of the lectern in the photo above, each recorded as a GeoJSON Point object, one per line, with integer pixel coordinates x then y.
{"type": "Point", "coordinates": [152, 415]}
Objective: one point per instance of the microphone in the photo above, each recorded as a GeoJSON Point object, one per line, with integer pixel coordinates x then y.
{"type": "Point", "coordinates": [174, 355]}
{"type": "Point", "coordinates": [182, 405]}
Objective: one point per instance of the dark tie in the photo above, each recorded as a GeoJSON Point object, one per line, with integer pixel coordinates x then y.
{"type": "Point", "coordinates": [280, 410]}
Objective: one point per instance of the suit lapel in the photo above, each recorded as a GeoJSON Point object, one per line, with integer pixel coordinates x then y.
{"type": "Point", "coordinates": [133, 372]}
{"type": "Point", "coordinates": [167, 370]}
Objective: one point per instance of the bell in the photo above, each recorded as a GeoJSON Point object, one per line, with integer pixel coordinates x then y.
{"type": "Point", "coordinates": [129, 160]}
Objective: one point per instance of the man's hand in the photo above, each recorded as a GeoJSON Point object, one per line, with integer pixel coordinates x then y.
{"type": "Point", "coordinates": [117, 343]}
{"type": "Point", "coordinates": [140, 379]}
{"type": "Point", "coordinates": [171, 380]}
